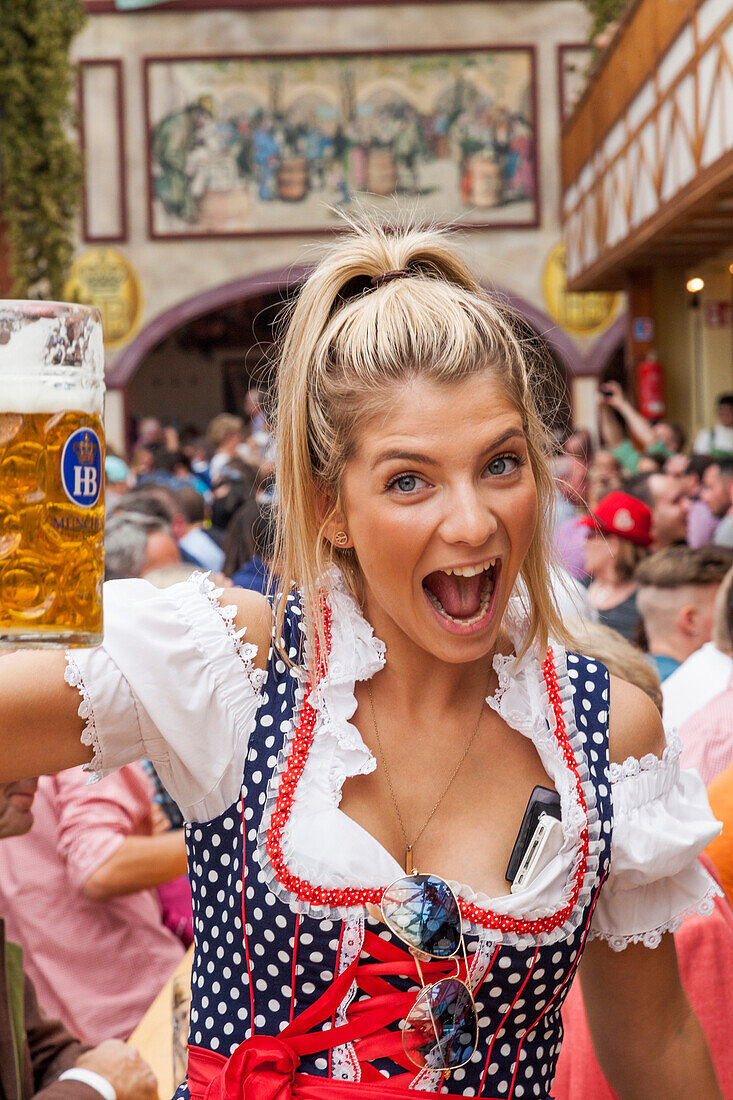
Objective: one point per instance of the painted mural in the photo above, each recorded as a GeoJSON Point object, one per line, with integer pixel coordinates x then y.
{"type": "Point", "coordinates": [261, 145]}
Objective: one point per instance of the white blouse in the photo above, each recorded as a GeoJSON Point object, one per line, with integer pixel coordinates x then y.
{"type": "Point", "coordinates": [174, 681]}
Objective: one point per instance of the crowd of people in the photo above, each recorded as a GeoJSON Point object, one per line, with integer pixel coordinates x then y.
{"type": "Point", "coordinates": [109, 858]}
{"type": "Point", "coordinates": [645, 528]}
{"type": "Point", "coordinates": [644, 541]}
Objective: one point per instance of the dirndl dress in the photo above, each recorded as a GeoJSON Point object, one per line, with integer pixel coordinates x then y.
{"type": "Point", "coordinates": [296, 990]}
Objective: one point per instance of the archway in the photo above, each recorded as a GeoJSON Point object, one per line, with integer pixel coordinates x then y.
{"type": "Point", "coordinates": [188, 363]}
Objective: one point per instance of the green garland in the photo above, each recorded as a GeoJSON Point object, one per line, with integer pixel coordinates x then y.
{"type": "Point", "coordinates": [40, 165]}
{"type": "Point", "coordinates": [604, 12]}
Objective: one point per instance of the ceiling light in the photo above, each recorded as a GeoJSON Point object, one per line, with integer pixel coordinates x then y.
{"type": "Point", "coordinates": [696, 284]}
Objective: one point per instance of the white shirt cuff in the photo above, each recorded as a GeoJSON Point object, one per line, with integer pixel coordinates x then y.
{"type": "Point", "coordinates": [94, 1080]}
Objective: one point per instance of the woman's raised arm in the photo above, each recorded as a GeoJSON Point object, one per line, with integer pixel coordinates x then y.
{"type": "Point", "coordinates": [143, 687]}
{"type": "Point", "coordinates": [40, 727]}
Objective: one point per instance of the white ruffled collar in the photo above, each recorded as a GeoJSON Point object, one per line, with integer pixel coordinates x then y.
{"type": "Point", "coordinates": [338, 752]}
{"type": "Point", "coordinates": [357, 654]}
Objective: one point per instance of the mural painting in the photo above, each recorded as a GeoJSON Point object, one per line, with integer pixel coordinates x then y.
{"type": "Point", "coordinates": [261, 145]}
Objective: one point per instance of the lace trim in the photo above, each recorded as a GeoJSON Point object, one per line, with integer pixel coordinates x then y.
{"type": "Point", "coordinates": [89, 736]}
{"type": "Point", "coordinates": [648, 763]}
{"type": "Point", "coordinates": [703, 907]}
{"type": "Point", "coordinates": [356, 654]}
{"type": "Point", "coordinates": [344, 1060]}
{"type": "Point", "coordinates": [523, 702]}
{"type": "Point", "coordinates": [246, 651]}
{"type": "Point", "coordinates": [428, 1080]}
{"type": "Point", "coordinates": [347, 902]}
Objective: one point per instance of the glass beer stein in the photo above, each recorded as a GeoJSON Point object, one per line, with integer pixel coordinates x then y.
{"type": "Point", "coordinates": [51, 474]}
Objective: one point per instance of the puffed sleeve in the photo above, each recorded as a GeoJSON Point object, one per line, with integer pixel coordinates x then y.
{"type": "Point", "coordinates": [174, 682]}
{"type": "Point", "coordinates": [661, 823]}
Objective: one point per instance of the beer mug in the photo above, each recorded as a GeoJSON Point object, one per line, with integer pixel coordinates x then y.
{"type": "Point", "coordinates": [51, 474]}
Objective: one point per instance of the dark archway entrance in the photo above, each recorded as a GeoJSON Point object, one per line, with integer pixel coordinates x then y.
{"type": "Point", "coordinates": [200, 357]}
{"type": "Point", "coordinates": [208, 364]}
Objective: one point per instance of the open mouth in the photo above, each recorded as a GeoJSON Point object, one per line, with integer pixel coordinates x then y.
{"type": "Point", "coordinates": [463, 594]}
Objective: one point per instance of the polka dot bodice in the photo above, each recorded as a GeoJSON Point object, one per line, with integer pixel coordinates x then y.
{"type": "Point", "coordinates": [264, 954]}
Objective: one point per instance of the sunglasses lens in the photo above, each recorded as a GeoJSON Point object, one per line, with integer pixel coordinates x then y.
{"type": "Point", "coordinates": [441, 1030]}
{"type": "Point", "coordinates": [422, 910]}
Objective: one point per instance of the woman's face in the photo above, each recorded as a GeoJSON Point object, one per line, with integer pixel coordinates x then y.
{"type": "Point", "coordinates": [600, 551]}
{"type": "Point", "coordinates": [440, 503]}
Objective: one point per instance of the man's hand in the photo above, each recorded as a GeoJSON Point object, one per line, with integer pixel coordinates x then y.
{"type": "Point", "coordinates": [124, 1068]}
{"type": "Point", "coordinates": [161, 824]}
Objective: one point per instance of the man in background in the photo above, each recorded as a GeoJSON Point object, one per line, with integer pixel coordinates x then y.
{"type": "Point", "coordinates": [718, 440]}
{"type": "Point", "coordinates": [78, 892]}
{"type": "Point", "coordinates": [676, 600]}
{"type": "Point", "coordinates": [39, 1058]}
{"type": "Point", "coordinates": [195, 544]}
{"type": "Point", "coordinates": [705, 673]}
{"type": "Point", "coordinates": [707, 736]}
{"type": "Point", "coordinates": [717, 493]}
{"type": "Point", "coordinates": [135, 544]}
{"type": "Point", "coordinates": [669, 500]}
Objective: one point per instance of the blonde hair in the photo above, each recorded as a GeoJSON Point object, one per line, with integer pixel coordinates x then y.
{"type": "Point", "coordinates": [621, 657]}
{"type": "Point", "coordinates": [348, 343]}
{"type": "Point", "coordinates": [221, 427]}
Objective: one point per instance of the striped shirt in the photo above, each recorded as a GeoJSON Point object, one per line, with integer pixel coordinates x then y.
{"type": "Point", "coordinates": [707, 736]}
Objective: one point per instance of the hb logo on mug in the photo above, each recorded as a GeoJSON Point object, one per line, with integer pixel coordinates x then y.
{"type": "Point", "coordinates": [81, 467]}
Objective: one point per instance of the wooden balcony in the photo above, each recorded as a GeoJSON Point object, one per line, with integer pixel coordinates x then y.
{"type": "Point", "coordinates": [647, 155]}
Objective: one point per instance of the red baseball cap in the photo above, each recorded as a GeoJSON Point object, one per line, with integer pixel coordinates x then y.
{"type": "Point", "coordinates": [622, 515]}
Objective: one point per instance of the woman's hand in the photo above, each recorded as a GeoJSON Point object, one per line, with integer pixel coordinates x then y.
{"type": "Point", "coordinates": [646, 1036]}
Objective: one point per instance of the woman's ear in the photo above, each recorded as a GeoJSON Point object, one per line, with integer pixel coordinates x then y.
{"type": "Point", "coordinates": [332, 519]}
{"type": "Point", "coordinates": [337, 532]}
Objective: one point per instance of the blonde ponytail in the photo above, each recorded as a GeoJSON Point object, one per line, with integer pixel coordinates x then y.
{"type": "Point", "coordinates": [353, 334]}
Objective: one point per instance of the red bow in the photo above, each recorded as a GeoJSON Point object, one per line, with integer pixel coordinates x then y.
{"type": "Point", "coordinates": [261, 1068]}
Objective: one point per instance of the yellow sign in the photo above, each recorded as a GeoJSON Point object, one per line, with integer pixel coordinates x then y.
{"type": "Point", "coordinates": [579, 314]}
{"type": "Point", "coordinates": [104, 278]}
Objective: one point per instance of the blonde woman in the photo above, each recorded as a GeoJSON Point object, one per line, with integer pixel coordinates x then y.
{"type": "Point", "coordinates": [397, 716]}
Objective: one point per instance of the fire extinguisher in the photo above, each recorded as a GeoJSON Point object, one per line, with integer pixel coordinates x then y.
{"type": "Point", "coordinates": [651, 387]}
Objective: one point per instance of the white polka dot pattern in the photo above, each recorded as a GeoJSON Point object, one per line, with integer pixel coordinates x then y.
{"type": "Point", "coordinates": [258, 963]}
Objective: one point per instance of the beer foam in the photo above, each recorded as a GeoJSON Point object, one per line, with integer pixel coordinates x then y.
{"type": "Point", "coordinates": [51, 358]}
{"type": "Point", "coordinates": [26, 396]}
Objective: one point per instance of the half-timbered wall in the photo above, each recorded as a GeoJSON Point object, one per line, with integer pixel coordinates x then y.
{"type": "Point", "coordinates": [671, 143]}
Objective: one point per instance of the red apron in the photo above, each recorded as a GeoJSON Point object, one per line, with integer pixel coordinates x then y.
{"type": "Point", "coordinates": [264, 1067]}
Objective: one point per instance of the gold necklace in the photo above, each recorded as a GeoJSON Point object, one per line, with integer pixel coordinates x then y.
{"type": "Point", "coordinates": [409, 845]}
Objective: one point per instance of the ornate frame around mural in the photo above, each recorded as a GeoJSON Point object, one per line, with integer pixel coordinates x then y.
{"type": "Point", "coordinates": [563, 49]}
{"type": "Point", "coordinates": [109, 7]}
{"type": "Point", "coordinates": [530, 50]}
{"type": "Point", "coordinates": [116, 64]}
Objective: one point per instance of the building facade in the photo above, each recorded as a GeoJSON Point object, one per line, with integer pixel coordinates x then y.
{"type": "Point", "coordinates": [223, 140]}
{"type": "Point", "coordinates": [648, 193]}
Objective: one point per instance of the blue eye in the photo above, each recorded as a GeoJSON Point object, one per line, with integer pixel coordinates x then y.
{"type": "Point", "coordinates": [504, 464]}
{"type": "Point", "coordinates": [406, 483]}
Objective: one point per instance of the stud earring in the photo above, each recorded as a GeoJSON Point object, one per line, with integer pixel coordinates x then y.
{"type": "Point", "coordinates": [341, 538]}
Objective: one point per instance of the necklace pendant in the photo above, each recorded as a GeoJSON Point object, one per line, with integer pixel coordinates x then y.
{"type": "Point", "coordinates": [408, 859]}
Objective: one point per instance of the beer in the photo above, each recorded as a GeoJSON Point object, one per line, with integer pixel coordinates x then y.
{"type": "Point", "coordinates": [51, 475]}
